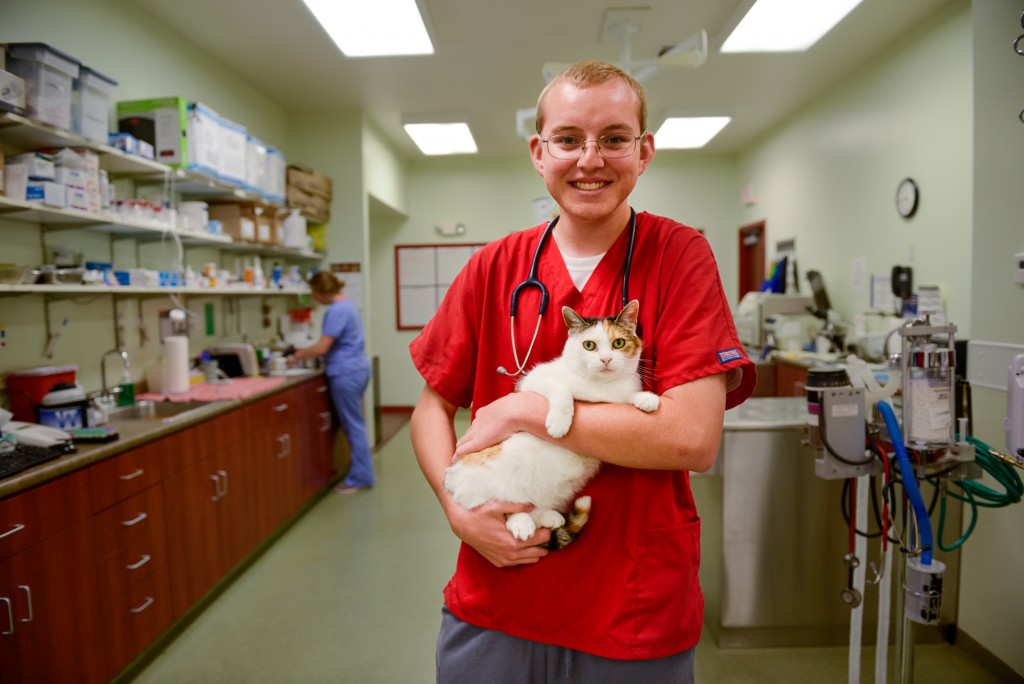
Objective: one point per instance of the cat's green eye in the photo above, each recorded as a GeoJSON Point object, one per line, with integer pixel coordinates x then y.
{"type": "Point", "coordinates": [589, 345]}
{"type": "Point", "coordinates": [618, 343]}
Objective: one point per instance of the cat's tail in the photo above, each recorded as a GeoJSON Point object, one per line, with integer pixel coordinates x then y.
{"type": "Point", "coordinates": [578, 517]}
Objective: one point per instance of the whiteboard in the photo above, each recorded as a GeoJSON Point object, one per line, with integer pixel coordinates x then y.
{"type": "Point", "coordinates": [422, 276]}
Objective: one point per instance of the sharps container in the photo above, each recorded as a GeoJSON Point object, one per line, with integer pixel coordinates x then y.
{"type": "Point", "coordinates": [26, 388]}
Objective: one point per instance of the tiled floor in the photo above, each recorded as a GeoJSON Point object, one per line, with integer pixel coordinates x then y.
{"type": "Point", "coordinates": [352, 594]}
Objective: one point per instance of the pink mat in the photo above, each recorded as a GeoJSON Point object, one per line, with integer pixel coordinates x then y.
{"type": "Point", "coordinates": [238, 388]}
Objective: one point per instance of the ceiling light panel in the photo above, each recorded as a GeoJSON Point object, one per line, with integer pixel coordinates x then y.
{"type": "Point", "coordinates": [786, 25]}
{"type": "Point", "coordinates": [442, 138]}
{"type": "Point", "coordinates": [373, 28]}
{"type": "Point", "coordinates": [687, 133]}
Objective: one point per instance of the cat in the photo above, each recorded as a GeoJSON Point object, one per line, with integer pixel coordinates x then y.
{"type": "Point", "coordinates": [599, 363]}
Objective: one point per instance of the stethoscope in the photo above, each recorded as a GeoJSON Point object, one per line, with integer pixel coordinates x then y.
{"type": "Point", "coordinates": [533, 281]}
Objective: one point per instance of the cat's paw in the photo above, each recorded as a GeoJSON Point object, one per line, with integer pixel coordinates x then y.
{"type": "Point", "coordinates": [558, 422]}
{"type": "Point", "coordinates": [549, 519]}
{"type": "Point", "coordinates": [521, 526]}
{"type": "Point", "coordinates": [645, 401]}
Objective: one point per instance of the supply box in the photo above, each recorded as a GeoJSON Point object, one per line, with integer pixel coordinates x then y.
{"type": "Point", "coordinates": [248, 222]}
{"type": "Point", "coordinates": [310, 192]}
{"type": "Point", "coordinates": [48, 75]}
{"type": "Point", "coordinates": [162, 122]}
{"type": "Point", "coordinates": [12, 93]}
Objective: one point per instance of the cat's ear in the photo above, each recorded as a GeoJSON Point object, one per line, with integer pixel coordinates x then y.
{"type": "Point", "coordinates": [573, 321]}
{"type": "Point", "coordinates": [627, 317]}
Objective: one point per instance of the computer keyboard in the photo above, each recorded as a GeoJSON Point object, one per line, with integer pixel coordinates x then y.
{"type": "Point", "coordinates": [15, 458]}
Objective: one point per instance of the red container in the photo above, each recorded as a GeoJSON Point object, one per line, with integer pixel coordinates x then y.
{"type": "Point", "coordinates": [26, 388]}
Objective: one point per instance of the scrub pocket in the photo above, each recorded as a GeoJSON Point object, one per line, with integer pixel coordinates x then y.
{"type": "Point", "coordinates": [668, 604]}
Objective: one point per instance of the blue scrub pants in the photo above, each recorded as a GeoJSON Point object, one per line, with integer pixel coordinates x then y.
{"type": "Point", "coordinates": [347, 390]}
{"type": "Point", "coordinates": [467, 654]}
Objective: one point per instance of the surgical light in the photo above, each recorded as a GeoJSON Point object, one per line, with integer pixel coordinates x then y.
{"type": "Point", "coordinates": [442, 138]}
{"type": "Point", "coordinates": [375, 28]}
{"type": "Point", "coordinates": [786, 25]}
{"type": "Point", "coordinates": [689, 132]}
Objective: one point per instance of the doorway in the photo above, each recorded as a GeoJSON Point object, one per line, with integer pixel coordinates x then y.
{"type": "Point", "coordinates": [751, 258]}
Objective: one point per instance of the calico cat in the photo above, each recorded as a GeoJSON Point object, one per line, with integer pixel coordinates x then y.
{"type": "Point", "coordinates": [599, 363]}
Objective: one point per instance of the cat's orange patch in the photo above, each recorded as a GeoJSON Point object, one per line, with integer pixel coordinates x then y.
{"type": "Point", "coordinates": [479, 457]}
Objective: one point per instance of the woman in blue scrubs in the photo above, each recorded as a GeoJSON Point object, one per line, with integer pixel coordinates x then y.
{"type": "Point", "coordinates": [348, 373]}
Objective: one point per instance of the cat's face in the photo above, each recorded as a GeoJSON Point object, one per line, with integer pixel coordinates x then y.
{"type": "Point", "coordinates": [603, 346]}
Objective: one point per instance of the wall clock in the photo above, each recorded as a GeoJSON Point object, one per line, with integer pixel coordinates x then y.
{"type": "Point", "coordinates": [907, 197]}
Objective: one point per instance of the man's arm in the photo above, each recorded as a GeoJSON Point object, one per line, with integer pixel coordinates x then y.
{"type": "Point", "coordinates": [683, 434]}
{"type": "Point", "coordinates": [483, 528]}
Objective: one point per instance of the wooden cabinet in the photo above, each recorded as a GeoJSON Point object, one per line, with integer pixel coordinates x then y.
{"type": "Point", "coordinates": [131, 552]}
{"type": "Point", "coordinates": [97, 564]}
{"type": "Point", "coordinates": [48, 602]}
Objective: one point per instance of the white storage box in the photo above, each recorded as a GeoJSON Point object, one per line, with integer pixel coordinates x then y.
{"type": "Point", "coordinates": [203, 139]}
{"type": "Point", "coordinates": [90, 104]}
{"type": "Point", "coordinates": [231, 149]}
{"type": "Point", "coordinates": [39, 166]}
{"type": "Point", "coordinates": [255, 165]}
{"type": "Point", "coordinates": [49, 193]}
{"type": "Point", "coordinates": [276, 169]}
{"type": "Point", "coordinates": [48, 76]}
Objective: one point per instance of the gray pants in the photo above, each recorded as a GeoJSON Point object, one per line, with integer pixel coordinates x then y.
{"type": "Point", "coordinates": [467, 654]}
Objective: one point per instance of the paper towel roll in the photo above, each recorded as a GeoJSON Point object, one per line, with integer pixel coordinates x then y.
{"type": "Point", "coordinates": [176, 364]}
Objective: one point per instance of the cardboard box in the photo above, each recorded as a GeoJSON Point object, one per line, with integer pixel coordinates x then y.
{"type": "Point", "coordinates": [310, 181]}
{"type": "Point", "coordinates": [48, 75]}
{"type": "Point", "coordinates": [162, 122]}
{"type": "Point", "coordinates": [39, 166]}
{"type": "Point", "coordinates": [47, 192]}
{"type": "Point", "coordinates": [12, 93]}
{"type": "Point", "coordinates": [239, 220]}
{"type": "Point", "coordinates": [91, 97]}
{"type": "Point", "coordinates": [316, 208]}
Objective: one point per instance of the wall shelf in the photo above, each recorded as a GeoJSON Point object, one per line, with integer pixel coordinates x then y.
{"type": "Point", "coordinates": [129, 291]}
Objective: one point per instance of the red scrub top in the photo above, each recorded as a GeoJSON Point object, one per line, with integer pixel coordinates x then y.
{"type": "Point", "coordinates": [627, 587]}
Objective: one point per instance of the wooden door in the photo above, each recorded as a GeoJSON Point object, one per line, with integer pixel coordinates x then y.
{"type": "Point", "coordinates": [193, 537]}
{"type": "Point", "coordinates": [751, 258]}
{"type": "Point", "coordinates": [8, 628]}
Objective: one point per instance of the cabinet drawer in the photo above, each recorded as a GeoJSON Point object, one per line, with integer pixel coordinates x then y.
{"type": "Point", "coordinates": [32, 516]}
{"type": "Point", "coordinates": [140, 516]}
{"type": "Point", "coordinates": [125, 475]}
{"type": "Point", "coordinates": [273, 412]}
{"type": "Point", "coordinates": [136, 616]}
{"type": "Point", "coordinates": [136, 559]}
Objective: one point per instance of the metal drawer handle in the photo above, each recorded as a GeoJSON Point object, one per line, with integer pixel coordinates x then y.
{"type": "Point", "coordinates": [136, 566]}
{"type": "Point", "coordinates": [321, 389]}
{"type": "Point", "coordinates": [134, 475]}
{"type": "Point", "coordinates": [281, 407]}
{"type": "Point", "coordinates": [224, 474]}
{"type": "Point", "coordinates": [10, 617]}
{"type": "Point", "coordinates": [28, 600]}
{"type": "Point", "coordinates": [216, 488]}
{"type": "Point", "coordinates": [136, 520]}
{"type": "Point", "coordinates": [326, 417]}
{"type": "Point", "coordinates": [18, 527]}
{"type": "Point", "coordinates": [144, 606]}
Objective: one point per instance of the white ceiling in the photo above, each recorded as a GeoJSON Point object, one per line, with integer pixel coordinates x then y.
{"type": "Point", "coordinates": [489, 55]}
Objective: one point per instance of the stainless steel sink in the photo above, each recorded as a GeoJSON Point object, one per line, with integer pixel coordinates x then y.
{"type": "Point", "coordinates": [155, 410]}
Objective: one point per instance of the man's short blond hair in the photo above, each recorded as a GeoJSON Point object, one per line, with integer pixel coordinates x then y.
{"type": "Point", "coordinates": [587, 73]}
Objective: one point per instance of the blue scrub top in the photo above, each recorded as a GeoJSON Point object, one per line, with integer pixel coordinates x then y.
{"type": "Point", "coordinates": [341, 321]}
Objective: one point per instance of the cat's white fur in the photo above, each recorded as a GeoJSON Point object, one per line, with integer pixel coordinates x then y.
{"type": "Point", "coordinates": [528, 469]}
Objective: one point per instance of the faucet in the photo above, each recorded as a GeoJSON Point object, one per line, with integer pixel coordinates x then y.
{"type": "Point", "coordinates": [109, 393]}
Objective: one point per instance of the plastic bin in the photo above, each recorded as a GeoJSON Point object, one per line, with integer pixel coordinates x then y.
{"type": "Point", "coordinates": [90, 105]}
{"type": "Point", "coordinates": [49, 75]}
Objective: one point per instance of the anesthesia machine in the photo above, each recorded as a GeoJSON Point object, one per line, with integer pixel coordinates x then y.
{"type": "Point", "coordinates": [889, 440]}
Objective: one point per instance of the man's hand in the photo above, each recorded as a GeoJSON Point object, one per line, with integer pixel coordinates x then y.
{"type": "Point", "coordinates": [483, 528]}
{"type": "Point", "coordinates": [500, 419]}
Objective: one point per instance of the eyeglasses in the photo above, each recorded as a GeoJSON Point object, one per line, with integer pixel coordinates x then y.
{"type": "Point", "coordinates": [568, 146]}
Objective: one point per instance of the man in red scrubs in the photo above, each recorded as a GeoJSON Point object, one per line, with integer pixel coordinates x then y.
{"type": "Point", "coordinates": [622, 603]}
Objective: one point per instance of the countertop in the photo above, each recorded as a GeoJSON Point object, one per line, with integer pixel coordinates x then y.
{"type": "Point", "coordinates": [223, 397]}
{"type": "Point", "coordinates": [767, 413]}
